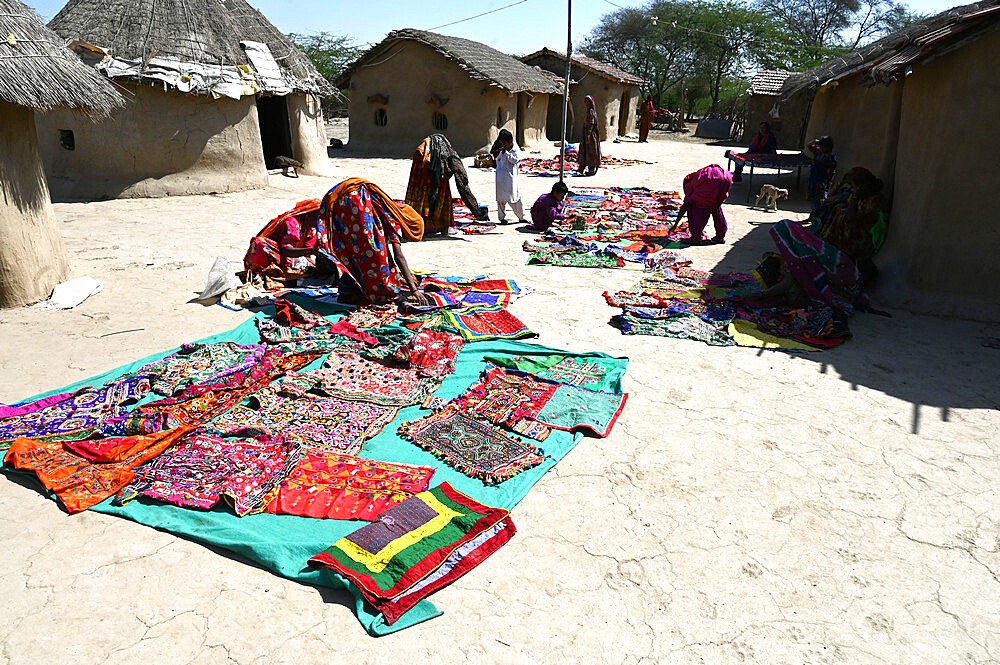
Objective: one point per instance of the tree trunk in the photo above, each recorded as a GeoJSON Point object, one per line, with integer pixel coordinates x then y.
{"type": "Point", "coordinates": [32, 253]}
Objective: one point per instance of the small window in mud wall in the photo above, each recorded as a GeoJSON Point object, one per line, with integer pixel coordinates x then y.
{"type": "Point", "coordinates": [381, 119]}
{"type": "Point", "coordinates": [500, 116]}
{"type": "Point", "coordinates": [440, 121]}
{"type": "Point", "coordinates": [66, 139]}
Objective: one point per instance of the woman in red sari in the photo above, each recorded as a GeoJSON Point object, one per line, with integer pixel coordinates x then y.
{"type": "Point", "coordinates": [645, 119]}
{"type": "Point", "coordinates": [589, 155]}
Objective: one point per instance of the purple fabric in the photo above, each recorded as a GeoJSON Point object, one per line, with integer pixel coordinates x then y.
{"type": "Point", "coordinates": [698, 220]}
{"type": "Point", "coordinates": [31, 407]}
{"type": "Point", "coordinates": [707, 187]}
{"type": "Point", "coordinates": [546, 210]}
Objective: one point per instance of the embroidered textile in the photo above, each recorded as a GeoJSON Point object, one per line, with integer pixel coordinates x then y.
{"type": "Point", "coordinates": [422, 545]}
{"type": "Point", "coordinates": [681, 326]}
{"type": "Point", "coordinates": [473, 298]}
{"type": "Point", "coordinates": [431, 353]}
{"type": "Point", "coordinates": [351, 377]}
{"type": "Point", "coordinates": [477, 449]}
{"type": "Point", "coordinates": [495, 285]}
{"type": "Point", "coordinates": [331, 485]}
{"type": "Point", "coordinates": [507, 399]}
{"type": "Point", "coordinates": [372, 316]}
{"type": "Point", "coordinates": [79, 415]}
{"type": "Point", "coordinates": [201, 470]}
{"type": "Point", "coordinates": [287, 313]}
{"type": "Point", "coordinates": [201, 363]}
{"type": "Point", "coordinates": [578, 260]}
{"type": "Point", "coordinates": [631, 298]}
{"type": "Point", "coordinates": [332, 424]}
{"type": "Point", "coordinates": [79, 482]}
{"type": "Point", "coordinates": [571, 407]}
{"type": "Point", "coordinates": [582, 372]}
{"type": "Point", "coordinates": [435, 301]}
{"type": "Point", "coordinates": [479, 323]}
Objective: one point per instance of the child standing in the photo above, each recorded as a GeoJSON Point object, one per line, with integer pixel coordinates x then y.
{"type": "Point", "coordinates": [823, 170]}
{"type": "Point", "coordinates": [507, 156]}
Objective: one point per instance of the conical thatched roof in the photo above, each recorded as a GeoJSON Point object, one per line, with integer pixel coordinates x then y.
{"type": "Point", "coordinates": [38, 71]}
{"type": "Point", "coordinates": [199, 32]}
{"type": "Point", "coordinates": [480, 62]}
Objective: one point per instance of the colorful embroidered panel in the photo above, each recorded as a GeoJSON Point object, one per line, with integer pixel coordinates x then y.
{"type": "Point", "coordinates": [477, 449]}
{"type": "Point", "coordinates": [495, 285]}
{"type": "Point", "coordinates": [82, 481]}
{"type": "Point", "coordinates": [572, 407]}
{"type": "Point", "coordinates": [578, 260]}
{"type": "Point", "coordinates": [78, 416]}
{"type": "Point", "coordinates": [202, 469]}
{"type": "Point", "coordinates": [507, 399]}
{"type": "Point", "coordinates": [431, 353]}
{"type": "Point", "coordinates": [330, 485]}
{"type": "Point", "coordinates": [422, 545]}
{"type": "Point", "coordinates": [201, 363]}
{"type": "Point", "coordinates": [373, 316]}
{"type": "Point", "coordinates": [479, 323]}
{"type": "Point", "coordinates": [351, 377]}
{"type": "Point", "coordinates": [581, 372]}
{"type": "Point", "coordinates": [681, 326]}
{"type": "Point", "coordinates": [330, 423]}
{"type": "Point", "coordinates": [473, 298]}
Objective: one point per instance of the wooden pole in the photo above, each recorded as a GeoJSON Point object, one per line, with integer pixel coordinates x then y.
{"type": "Point", "coordinates": [569, 62]}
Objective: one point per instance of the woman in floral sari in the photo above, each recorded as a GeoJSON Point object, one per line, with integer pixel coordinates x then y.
{"type": "Point", "coordinates": [589, 155]}
{"type": "Point", "coordinates": [360, 229]}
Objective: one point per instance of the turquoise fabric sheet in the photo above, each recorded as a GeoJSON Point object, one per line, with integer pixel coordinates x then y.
{"type": "Point", "coordinates": [284, 543]}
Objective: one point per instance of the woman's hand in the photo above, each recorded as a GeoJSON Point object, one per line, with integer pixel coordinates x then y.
{"type": "Point", "coordinates": [421, 298]}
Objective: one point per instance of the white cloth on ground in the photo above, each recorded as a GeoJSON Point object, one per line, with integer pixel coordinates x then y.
{"type": "Point", "coordinates": [70, 294]}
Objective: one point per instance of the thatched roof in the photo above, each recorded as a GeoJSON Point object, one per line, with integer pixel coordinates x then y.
{"type": "Point", "coordinates": [480, 62]}
{"type": "Point", "coordinates": [38, 71]}
{"type": "Point", "coordinates": [768, 81]}
{"type": "Point", "coordinates": [595, 66]}
{"type": "Point", "coordinates": [199, 32]}
{"type": "Point", "coordinates": [889, 58]}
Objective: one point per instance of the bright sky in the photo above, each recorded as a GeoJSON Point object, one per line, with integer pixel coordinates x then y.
{"type": "Point", "coordinates": [525, 27]}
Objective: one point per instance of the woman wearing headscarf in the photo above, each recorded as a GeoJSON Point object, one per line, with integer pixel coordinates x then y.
{"type": "Point", "coordinates": [646, 119]}
{"type": "Point", "coordinates": [428, 191]}
{"type": "Point", "coordinates": [589, 155]}
{"type": "Point", "coordinates": [360, 229]}
{"type": "Point", "coordinates": [763, 143]}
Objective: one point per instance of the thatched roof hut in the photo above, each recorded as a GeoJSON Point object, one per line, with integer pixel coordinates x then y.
{"type": "Point", "coordinates": [615, 93]}
{"type": "Point", "coordinates": [917, 107]}
{"type": "Point", "coordinates": [763, 95]}
{"type": "Point", "coordinates": [218, 93]}
{"type": "Point", "coordinates": [414, 83]}
{"type": "Point", "coordinates": [37, 73]}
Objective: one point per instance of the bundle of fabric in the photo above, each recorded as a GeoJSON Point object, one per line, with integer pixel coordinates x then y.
{"type": "Point", "coordinates": [428, 191]}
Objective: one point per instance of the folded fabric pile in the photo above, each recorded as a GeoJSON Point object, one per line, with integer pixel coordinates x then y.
{"type": "Point", "coordinates": [720, 310]}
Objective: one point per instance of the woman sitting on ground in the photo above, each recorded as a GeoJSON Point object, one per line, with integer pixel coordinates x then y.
{"type": "Point", "coordinates": [548, 208]}
{"type": "Point", "coordinates": [361, 230]}
{"type": "Point", "coordinates": [589, 154]}
{"type": "Point", "coordinates": [763, 143]}
{"type": "Point", "coordinates": [854, 218]}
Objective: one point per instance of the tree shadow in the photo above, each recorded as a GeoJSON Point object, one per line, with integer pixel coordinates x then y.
{"type": "Point", "coordinates": [931, 362]}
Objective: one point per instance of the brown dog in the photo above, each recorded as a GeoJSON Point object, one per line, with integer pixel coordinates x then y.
{"type": "Point", "coordinates": [772, 194]}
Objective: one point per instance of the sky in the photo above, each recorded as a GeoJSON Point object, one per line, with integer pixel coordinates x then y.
{"type": "Point", "coordinates": [520, 29]}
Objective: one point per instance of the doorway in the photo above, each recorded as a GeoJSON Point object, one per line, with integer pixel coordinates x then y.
{"type": "Point", "coordinates": [623, 114]}
{"type": "Point", "coordinates": [519, 119]}
{"type": "Point", "coordinates": [275, 129]}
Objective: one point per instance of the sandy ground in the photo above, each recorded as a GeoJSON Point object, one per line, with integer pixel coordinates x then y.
{"type": "Point", "coordinates": [750, 507]}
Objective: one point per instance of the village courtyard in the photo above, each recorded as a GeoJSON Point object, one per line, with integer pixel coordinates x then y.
{"type": "Point", "coordinates": [753, 506]}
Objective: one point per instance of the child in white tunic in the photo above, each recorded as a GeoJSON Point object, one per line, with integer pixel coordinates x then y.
{"type": "Point", "coordinates": [507, 157]}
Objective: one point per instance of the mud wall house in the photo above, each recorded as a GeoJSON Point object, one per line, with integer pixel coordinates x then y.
{"type": "Point", "coordinates": [918, 108]}
{"type": "Point", "coordinates": [37, 74]}
{"type": "Point", "coordinates": [615, 92]}
{"type": "Point", "coordinates": [215, 93]}
{"type": "Point", "coordinates": [787, 120]}
{"type": "Point", "coordinates": [416, 83]}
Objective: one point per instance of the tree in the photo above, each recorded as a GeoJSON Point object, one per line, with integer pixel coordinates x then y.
{"type": "Point", "coordinates": [330, 53]}
{"type": "Point", "coordinates": [841, 24]}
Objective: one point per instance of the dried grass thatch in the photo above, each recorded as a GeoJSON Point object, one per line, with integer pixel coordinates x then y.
{"type": "Point", "coordinates": [889, 58]}
{"type": "Point", "coordinates": [206, 32]}
{"type": "Point", "coordinates": [39, 72]}
{"type": "Point", "coordinates": [480, 62]}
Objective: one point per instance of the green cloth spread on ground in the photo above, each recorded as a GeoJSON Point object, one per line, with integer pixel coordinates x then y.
{"type": "Point", "coordinates": [284, 543]}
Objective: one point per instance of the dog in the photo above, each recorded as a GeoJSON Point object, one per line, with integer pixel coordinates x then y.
{"type": "Point", "coordinates": [289, 167]}
{"type": "Point", "coordinates": [772, 194]}
{"type": "Point", "coordinates": [484, 160]}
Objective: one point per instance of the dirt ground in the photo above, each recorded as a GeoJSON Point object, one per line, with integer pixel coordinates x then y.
{"type": "Point", "coordinates": [750, 506]}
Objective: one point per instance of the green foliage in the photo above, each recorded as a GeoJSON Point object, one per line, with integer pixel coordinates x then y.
{"type": "Point", "coordinates": [330, 53]}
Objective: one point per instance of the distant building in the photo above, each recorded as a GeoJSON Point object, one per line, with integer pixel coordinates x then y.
{"type": "Point", "coordinates": [37, 74]}
{"type": "Point", "coordinates": [215, 92]}
{"type": "Point", "coordinates": [615, 93]}
{"type": "Point", "coordinates": [415, 83]}
{"type": "Point", "coordinates": [787, 121]}
{"type": "Point", "coordinates": [919, 109]}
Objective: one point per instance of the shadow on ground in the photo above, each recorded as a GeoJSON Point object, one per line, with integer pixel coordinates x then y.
{"type": "Point", "coordinates": [931, 362]}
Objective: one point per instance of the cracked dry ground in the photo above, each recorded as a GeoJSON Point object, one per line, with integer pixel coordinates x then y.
{"type": "Point", "coordinates": [750, 507]}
